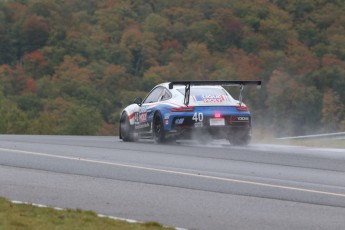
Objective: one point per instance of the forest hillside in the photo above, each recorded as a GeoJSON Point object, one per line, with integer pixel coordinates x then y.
{"type": "Point", "coordinates": [68, 67]}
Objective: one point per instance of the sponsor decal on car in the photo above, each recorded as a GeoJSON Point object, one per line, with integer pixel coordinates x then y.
{"type": "Point", "coordinates": [243, 118]}
{"type": "Point", "coordinates": [210, 98]}
{"type": "Point", "coordinates": [142, 117]}
{"type": "Point", "coordinates": [179, 121]}
{"type": "Point", "coordinates": [145, 125]}
{"type": "Point", "coordinates": [236, 118]}
{"type": "Point", "coordinates": [167, 116]}
{"type": "Point", "coordinates": [198, 124]}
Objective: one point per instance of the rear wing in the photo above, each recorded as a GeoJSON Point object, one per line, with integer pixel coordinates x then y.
{"type": "Point", "coordinates": [187, 85]}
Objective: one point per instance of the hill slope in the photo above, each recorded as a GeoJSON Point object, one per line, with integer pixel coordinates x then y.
{"type": "Point", "coordinates": [68, 67]}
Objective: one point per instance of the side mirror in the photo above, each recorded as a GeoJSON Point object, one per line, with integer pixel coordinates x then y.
{"type": "Point", "coordinates": [138, 101]}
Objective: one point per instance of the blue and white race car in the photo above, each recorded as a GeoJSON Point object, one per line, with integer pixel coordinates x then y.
{"type": "Point", "coordinates": [201, 110]}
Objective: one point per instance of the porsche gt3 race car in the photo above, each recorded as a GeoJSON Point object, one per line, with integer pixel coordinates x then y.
{"type": "Point", "coordinates": [201, 110]}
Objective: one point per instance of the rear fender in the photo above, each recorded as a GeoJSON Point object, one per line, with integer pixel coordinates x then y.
{"type": "Point", "coordinates": [131, 110]}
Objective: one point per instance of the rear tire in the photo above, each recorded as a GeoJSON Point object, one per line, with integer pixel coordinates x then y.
{"type": "Point", "coordinates": [158, 129]}
{"type": "Point", "coordinates": [126, 129]}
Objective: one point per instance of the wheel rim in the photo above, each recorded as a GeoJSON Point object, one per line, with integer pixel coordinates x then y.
{"type": "Point", "coordinates": [158, 127]}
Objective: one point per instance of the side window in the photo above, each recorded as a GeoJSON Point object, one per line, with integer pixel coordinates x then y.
{"type": "Point", "coordinates": [165, 95]}
{"type": "Point", "coordinates": [154, 95]}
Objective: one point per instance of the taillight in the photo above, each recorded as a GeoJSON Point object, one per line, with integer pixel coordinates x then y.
{"type": "Point", "coordinates": [242, 108]}
{"type": "Point", "coordinates": [183, 109]}
{"type": "Point", "coordinates": [217, 115]}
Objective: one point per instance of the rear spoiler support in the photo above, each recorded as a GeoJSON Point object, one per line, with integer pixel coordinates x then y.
{"type": "Point", "coordinates": [187, 85]}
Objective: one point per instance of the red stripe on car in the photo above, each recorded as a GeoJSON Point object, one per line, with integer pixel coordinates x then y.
{"type": "Point", "coordinates": [131, 116]}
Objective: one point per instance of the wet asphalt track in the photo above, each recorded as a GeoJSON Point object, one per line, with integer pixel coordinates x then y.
{"type": "Point", "coordinates": [215, 186]}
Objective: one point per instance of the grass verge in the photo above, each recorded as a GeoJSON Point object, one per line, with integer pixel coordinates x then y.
{"type": "Point", "coordinates": [266, 137]}
{"type": "Point", "coordinates": [24, 216]}
{"type": "Point", "coordinates": [320, 143]}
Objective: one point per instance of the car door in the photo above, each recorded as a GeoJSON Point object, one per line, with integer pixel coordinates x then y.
{"type": "Point", "coordinates": [145, 115]}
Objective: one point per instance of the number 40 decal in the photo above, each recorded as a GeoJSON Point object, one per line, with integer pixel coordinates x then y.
{"type": "Point", "coordinates": [198, 117]}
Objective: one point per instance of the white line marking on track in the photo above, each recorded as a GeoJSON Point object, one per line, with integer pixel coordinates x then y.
{"type": "Point", "coordinates": [175, 172]}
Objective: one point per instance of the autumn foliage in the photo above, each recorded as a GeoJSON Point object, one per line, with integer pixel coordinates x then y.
{"type": "Point", "coordinates": [68, 67]}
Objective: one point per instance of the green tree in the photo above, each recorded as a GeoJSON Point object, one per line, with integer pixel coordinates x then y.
{"type": "Point", "coordinates": [158, 25]}
{"type": "Point", "coordinates": [35, 33]}
{"type": "Point", "coordinates": [30, 104]}
{"type": "Point", "coordinates": [295, 108]}
{"type": "Point", "coordinates": [82, 120]}
{"type": "Point", "coordinates": [197, 62]}
{"type": "Point", "coordinates": [276, 31]}
{"type": "Point", "coordinates": [333, 112]}
{"type": "Point", "coordinates": [43, 124]}
{"type": "Point", "coordinates": [231, 28]}
{"type": "Point", "coordinates": [13, 120]}
{"type": "Point", "coordinates": [7, 42]}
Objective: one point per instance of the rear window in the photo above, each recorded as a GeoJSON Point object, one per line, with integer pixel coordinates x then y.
{"type": "Point", "coordinates": [204, 91]}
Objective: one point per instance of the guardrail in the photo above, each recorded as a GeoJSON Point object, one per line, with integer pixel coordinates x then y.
{"type": "Point", "coordinates": [340, 135]}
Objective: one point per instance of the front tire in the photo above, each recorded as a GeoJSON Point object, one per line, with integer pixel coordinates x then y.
{"type": "Point", "coordinates": [158, 129]}
{"type": "Point", "coordinates": [126, 129]}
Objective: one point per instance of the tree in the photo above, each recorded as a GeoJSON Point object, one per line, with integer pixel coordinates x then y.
{"type": "Point", "coordinates": [30, 104]}
{"type": "Point", "coordinates": [167, 51]}
{"type": "Point", "coordinates": [82, 120]}
{"type": "Point", "coordinates": [131, 40]}
{"type": "Point", "coordinates": [35, 64]}
{"type": "Point", "coordinates": [328, 78]}
{"type": "Point", "coordinates": [35, 33]}
{"type": "Point", "coordinates": [299, 59]}
{"type": "Point", "coordinates": [115, 78]}
{"type": "Point", "coordinates": [276, 31]}
{"type": "Point", "coordinates": [247, 66]}
{"type": "Point", "coordinates": [309, 34]}
{"type": "Point", "coordinates": [159, 74]}
{"type": "Point", "coordinates": [47, 9]}
{"type": "Point", "coordinates": [158, 25]}
{"type": "Point", "coordinates": [294, 107]}
{"type": "Point", "coordinates": [333, 112]}
{"type": "Point", "coordinates": [68, 117]}
{"type": "Point", "coordinates": [13, 120]}
{"type": "Point", "coordinates": [43, 124]}
{"type": "Point", "coordinates": [298, 9]}
{"type": "Point", "coordinates": [73, 68]}
{"type": "Point", "coordinates": [15, 81]}
{"type": "Point", "coordinates": [7, 42]}
{"type": "Point", "coordinates": [5, 80]}
{"type": "Point", "coordinates": [197, 62]}
{"type": "Point", "coordinates": [231, 28]}
{"type": "Point", "coordinates": [205, 31]}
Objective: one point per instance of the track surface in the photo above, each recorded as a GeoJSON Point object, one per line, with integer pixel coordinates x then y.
{"type": "Point", "coordinates": [214, 186]}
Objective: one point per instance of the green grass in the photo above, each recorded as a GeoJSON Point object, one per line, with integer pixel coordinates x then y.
{"type": "Point", "coordinates": [23, 216]}
{"type": "Point", "coordinates": [321, 143]}
{"type": "Point", "coordinates": [265, 137]}
{"type": "Point", "coordinates": [317, 143]}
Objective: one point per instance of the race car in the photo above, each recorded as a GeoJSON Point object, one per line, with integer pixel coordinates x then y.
{"type": "Point", "coordinates": [201, 110]}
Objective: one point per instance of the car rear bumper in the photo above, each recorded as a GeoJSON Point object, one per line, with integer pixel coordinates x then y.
{"type": "Point", "coordinates": [220, 132]}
